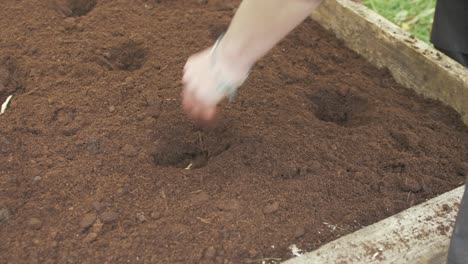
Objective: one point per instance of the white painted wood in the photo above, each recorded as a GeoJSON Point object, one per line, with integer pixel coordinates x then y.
{"type": "Point", "coordinates": [420, 234]}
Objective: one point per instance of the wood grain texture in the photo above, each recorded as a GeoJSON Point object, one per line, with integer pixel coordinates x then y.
{"type": "Point", "coordinates": [419, 235]}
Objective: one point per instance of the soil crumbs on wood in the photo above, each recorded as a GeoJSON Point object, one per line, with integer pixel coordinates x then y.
{"type": "Point", "coordinates": [94, 146]}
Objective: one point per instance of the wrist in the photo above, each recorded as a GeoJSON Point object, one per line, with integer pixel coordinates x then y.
{"type": "Point", "coordinates": [234, 56]}
{"type": "Point", "coordinates": [229, 71]}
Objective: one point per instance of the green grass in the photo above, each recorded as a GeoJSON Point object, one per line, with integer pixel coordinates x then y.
{"type": "Point", "coordinates": [415, 16]}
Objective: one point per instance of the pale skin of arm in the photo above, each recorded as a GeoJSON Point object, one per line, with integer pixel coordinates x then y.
{"type": "Point", "coordinates": [256, 28]}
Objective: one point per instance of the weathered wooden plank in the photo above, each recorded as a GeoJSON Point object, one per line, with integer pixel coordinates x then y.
{"type": "Point", "coordinates": [417, 235]}
{"type": "Point", "coordinates": [413, 63]}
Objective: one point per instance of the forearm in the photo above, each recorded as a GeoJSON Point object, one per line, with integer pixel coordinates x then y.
{"type": "Point", "coordinates": [259, 25]}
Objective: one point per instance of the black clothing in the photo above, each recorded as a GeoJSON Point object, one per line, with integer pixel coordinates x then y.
{"type": "Point", "coordinates": [450, 28]}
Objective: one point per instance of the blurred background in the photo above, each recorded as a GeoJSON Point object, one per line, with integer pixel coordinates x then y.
{"type": "Point", "coordinates": [416, 16]}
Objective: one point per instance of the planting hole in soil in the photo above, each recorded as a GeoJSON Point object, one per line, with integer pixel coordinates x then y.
{"type": "Point", "coordinates": [128, 56]}
{"type": "Point", "coordinates": [64, 115]}
{"type": "Point", "coordinates": [75, 8]}
{"type": "Point", "coordinates": [100, 164]}
{"type": "Point", "coordinates": [342, 108]}
{"type": "Point", "coordinates": [190, 148]}
{"type": "Point", "coordinates": [182, 156]}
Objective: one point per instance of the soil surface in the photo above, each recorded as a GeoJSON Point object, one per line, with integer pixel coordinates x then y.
{"type": "Point", "coordinates": [94, 148]}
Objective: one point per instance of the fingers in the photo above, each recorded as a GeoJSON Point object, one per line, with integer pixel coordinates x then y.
{"type": "Point", "coordinates": [200, 112]}
{"type": "Point", "coordinates": [208, 114]}
{"type": "Point", "coordinates": [196, 109]}
{"type": "Point", "coordinates": [200, 95]}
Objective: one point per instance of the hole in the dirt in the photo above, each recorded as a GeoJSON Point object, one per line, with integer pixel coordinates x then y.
{"type": "Point", "coordinates": [180, 158]}
{"type": "Point", "coordinates": [64, 115]}
{"type": "Point", "coordinates": [129, 56]}
{"type": "Point", "coordinates": [342, 108]}
{"type": "Point", "coordinates": [75, 8]}
{"type": "Point", "coordinates": [11, 79]}
{"type": "Point", "coordinates": [403, 140]}
{"type": "Point", "coordinates": [189, 146]}
{"type": "Point", "coordinates": [188, 156]}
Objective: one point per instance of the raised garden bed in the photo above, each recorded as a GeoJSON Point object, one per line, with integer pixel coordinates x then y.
{"type": "Point", "coordinates": [95, 149]}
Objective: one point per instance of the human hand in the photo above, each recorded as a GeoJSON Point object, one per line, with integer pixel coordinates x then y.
{"type": "Point", "coordinates": [208, 78]}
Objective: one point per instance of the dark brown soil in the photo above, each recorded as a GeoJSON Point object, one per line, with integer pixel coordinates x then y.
{"type": "Point", "coordinates": [94, 146]}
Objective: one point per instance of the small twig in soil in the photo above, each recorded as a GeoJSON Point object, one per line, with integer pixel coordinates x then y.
{"type": "Point", "coordinates": [5, 104]}
{"type": "Point", "coordinates": [262, 260]}
{"type": "Point", "coordinates": [375, 255]}
{"type": "Point", "coordinates": [408, 196]}
{"type": "Point", "coordinates": [202, 146]}
{"type": "Point", "coordinates": [203, 220]}
{"type": "Point", "coordinates": [30, 92]}
{"type": "Point", "coordinates": [189, 166]}
{"type": "Point", "coordinates": [334, 227]}
{"type": "Point", "coordinates": [359, 224]}
{"type": "Point", "coordinates": [379, 251]}
{"type": "Point", "coordinates": [107, 63]}
{"type": "Point", "coordinates": [163, 68]}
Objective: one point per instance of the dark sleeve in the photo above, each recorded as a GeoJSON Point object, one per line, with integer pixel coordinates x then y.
{"type": "Point", "coordinates": [450, 28]}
